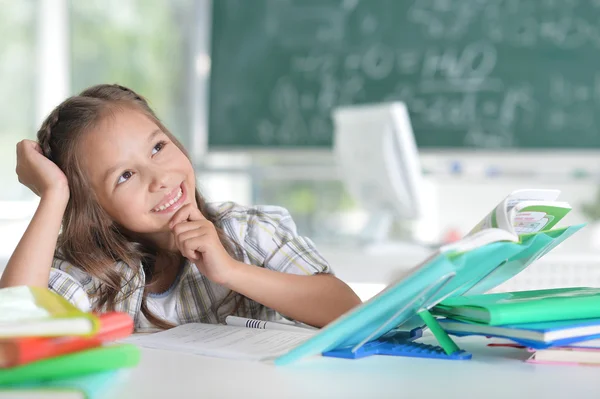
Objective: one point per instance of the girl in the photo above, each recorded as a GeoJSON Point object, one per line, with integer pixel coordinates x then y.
{"type": "Point", "coordinates": [137, 236]}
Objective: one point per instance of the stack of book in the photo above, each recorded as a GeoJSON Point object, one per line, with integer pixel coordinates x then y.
{"type": "Point", "coordinates": [556, 325]}
{"type": "Point", "coordinates": [50, 348]}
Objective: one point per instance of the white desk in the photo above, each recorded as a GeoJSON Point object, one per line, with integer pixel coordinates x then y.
{"type": "Point", "coordinates": [492, 373]}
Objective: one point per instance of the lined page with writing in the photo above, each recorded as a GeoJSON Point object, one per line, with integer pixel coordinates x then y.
{"type": "Point", "coordinates": [223, 341]}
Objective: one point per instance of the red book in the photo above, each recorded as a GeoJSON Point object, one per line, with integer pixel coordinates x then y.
{"type": "Point", "coordinates": [17, 351]}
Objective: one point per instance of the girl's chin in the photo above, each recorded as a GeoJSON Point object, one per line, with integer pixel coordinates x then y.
{"type": "Point", "coordinates": [162, 239]}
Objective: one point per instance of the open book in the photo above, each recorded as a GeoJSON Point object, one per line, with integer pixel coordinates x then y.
{"type": "Point", "coordinates": [522, 212]}
{"type": "Point", "coordinates": [233, 342]}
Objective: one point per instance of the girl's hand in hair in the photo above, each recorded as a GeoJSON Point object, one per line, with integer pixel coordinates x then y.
{"type": "Point", "coordinates": [197, 239]}
{"type": "Point", "coordinates": [38, 173]}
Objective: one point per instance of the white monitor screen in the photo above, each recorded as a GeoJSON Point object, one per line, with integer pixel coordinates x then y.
{"type": "Point", "coordinates": [378, 158]}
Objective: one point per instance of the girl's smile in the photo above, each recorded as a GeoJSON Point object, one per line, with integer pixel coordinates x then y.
{"type": "Point", "coordinates": [172, 201]}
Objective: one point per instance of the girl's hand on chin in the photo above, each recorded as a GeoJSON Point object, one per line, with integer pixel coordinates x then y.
{"type": "Point", "coordinates": [197, 240]}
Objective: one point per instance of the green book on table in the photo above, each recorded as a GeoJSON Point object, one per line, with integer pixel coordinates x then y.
{"type": "Point", "coordinates": [91, 386]}
{"type": "Point", "coordinates": [523, 307]}
{"type": "Point", "coordinates": [104, 358]}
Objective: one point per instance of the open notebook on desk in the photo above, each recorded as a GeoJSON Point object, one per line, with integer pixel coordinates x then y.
{"type": "Point", "coordinates": [231, 342]}
{"type": "Point", "coordinates": [244, 339]}
{"type": "Point", "coordinates": [515, 234]}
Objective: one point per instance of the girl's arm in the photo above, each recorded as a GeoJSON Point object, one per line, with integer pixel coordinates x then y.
{"type": "Point", "coordinates": [316, 300]}
{"type": "Point", "coordinates": [31, 261]}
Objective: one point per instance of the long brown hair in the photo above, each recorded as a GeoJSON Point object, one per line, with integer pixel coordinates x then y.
{"type": "Point", "coordinates": [90, 239]}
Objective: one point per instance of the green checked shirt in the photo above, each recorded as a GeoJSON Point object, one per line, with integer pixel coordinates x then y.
{"type": "Point", "coordinates": [266, 234]}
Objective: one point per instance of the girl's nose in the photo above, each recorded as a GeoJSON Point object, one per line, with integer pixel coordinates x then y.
{"type": "Point", "coordinates": [159, 182]}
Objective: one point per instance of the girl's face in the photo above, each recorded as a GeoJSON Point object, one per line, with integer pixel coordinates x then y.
{"type": "Point", "coordinates": [138, 174]}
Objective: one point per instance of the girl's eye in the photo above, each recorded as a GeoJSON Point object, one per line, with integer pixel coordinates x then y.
{"type": "Point", "coordinates": [124, 177]}
{"type": "Point", "coordinates": [159, 146]}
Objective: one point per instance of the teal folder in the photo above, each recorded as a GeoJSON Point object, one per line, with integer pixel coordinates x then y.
{"type": "Point", "coordinates": [443, 275]}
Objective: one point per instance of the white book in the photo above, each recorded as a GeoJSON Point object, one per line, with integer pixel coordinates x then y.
{"type": "Point", "coordinates": [39, 312]}
{"type": "Point", "coordinates": [567, 355]}
{"type": "Point", "coordinates": [224, 341]}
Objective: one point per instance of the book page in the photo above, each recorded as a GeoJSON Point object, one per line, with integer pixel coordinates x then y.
{"type": "Point", "coordinates": [531, 222]}
{"type": "Point", "coordinates": [493, 220]}
{"type": "Point", "coordinates": [501, 216]}
{"type": "Point", "coordinates": [531, 195]}
{"type": "Point", "coordinates": [531, 216]}
{"type": "Point", "coordinates": [18, 304]}
{"type": "Point", "coordinates": [223, 341]}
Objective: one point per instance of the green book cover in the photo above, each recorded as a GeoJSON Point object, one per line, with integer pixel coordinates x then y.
{"type": "Point", "coordinates": [524, 306]}
{"type": "Point", "coordinates": [95, 360]}
{"type": "Point", "coordinates": [97, 385]}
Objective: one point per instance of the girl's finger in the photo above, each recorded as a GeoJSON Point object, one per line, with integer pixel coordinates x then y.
{"type": "Point", "coordinates": [188, 212]}
{"type": "Point", "coordinates": [193, 247]}
{"type": "Point", "coordinates": [181, 215]}
{"type": "Point", "coordinates": [183, 237]}
{"type": "Point", "coordinates": [32, 145]}
{"type": "Point", "coordinates": [38, 148]}
{"type": "Point", "coordinates": [183, 227]}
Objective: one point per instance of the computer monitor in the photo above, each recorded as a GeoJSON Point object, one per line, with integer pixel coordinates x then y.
{"type": "Point", "coordinates": [377, 156]}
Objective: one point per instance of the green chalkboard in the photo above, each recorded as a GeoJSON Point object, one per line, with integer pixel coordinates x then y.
{"type": "Point", "coordinates": [473, 73]}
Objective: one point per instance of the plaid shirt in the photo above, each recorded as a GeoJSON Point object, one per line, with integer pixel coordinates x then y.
{"type": "Point", "coordinates": [266, 234]}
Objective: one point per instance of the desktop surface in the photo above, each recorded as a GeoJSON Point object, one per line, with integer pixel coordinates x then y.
{"type": "Point", "coordinates": [494, 372]}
